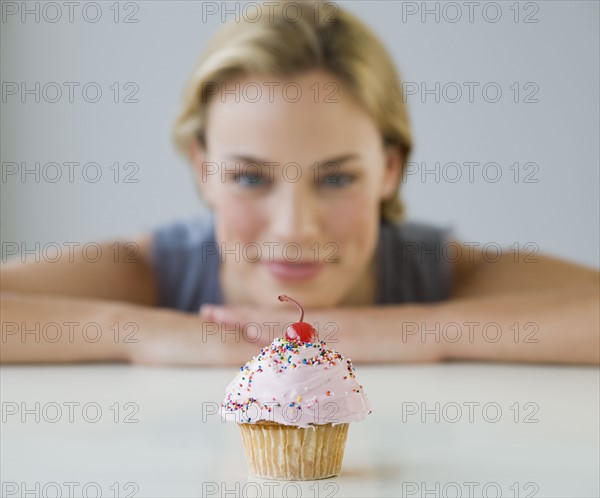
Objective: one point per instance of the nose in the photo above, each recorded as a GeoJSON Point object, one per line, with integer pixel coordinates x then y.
{"type": "Point", "coordinates": [295, 215]}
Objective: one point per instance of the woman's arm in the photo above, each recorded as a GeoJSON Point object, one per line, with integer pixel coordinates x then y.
{"type": "Point", "coordinates": [514, 308]}
{"type": "Point", "coordinates": [543, 309]}
{"type": "Point", "coordinates": [114, 271]}
{"type": "Point", "coordinates": [554, 325]}
{"type": "Point", "coordinates": [54, 308]}
{"type": "Point", "coordinates": [48, 329]}
{"type": "Point", "coordinates": [82, 308]}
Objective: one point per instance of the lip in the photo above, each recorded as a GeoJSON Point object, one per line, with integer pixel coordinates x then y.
{"type": "Point", "coordinates": [294, 271]}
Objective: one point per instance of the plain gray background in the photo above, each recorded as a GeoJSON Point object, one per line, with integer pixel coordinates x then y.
{"type": "Point", "coordinates": [554, 61]}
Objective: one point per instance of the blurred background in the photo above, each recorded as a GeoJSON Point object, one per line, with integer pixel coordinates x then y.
{"type": "Point", "coordinates": [503, 99]}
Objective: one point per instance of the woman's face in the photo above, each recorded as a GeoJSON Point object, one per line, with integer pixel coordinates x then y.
{"type": "Point", "coordinates": [296, 188]}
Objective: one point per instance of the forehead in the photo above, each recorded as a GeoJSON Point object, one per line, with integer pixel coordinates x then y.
{"type": "Point", "coordinates": [288, 119]}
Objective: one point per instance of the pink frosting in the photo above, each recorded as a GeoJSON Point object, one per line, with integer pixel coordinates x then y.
{"type": "Point", "coordinates": [295, 383]}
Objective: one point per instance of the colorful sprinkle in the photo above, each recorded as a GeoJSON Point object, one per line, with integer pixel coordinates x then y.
{"type": "Point", "coordinates": [277, 357]}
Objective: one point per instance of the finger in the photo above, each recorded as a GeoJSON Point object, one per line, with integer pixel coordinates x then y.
{"type": "Point", "coordinates": [206, 311]}
{"type": "Point", "coordinates": [219, 314]}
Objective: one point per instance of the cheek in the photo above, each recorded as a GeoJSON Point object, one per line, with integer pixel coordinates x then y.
{"type": "Point", "coordinates": [353, 221]}
{"type": "Point", "coordinates": [239, 220]}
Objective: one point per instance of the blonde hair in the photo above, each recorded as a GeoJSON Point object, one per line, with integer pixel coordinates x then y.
{"type": "Point", "coordinates": [320, 35]}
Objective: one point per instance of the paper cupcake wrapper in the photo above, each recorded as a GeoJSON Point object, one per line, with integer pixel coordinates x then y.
{"type": "Point", "coordinates": [284, 452]}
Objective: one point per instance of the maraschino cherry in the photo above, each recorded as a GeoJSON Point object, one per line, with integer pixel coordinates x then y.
{"type": "Point", "coordinates": [299, 331]}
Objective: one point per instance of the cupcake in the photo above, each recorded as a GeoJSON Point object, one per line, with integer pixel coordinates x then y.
{"type": "Point", "coordinates": [293, 403]}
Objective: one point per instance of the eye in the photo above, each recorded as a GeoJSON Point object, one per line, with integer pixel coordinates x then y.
{"type": "Point", "coordinates": [338, 180]}
{"type": "Point", "coordinates": [251, 179]}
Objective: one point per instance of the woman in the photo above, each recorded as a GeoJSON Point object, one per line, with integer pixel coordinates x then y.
{"type": "Point", "coordinates": [297, 132]}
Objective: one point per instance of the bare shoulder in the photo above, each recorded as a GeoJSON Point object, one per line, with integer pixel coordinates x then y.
{"type": "Point", "coordinates": [478, 272]}
{"type": "Point", "coordinates": [116, 270]}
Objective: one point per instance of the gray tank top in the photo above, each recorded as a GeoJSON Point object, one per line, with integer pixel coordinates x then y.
{"type": "Point", "coordinates": [411, 263]}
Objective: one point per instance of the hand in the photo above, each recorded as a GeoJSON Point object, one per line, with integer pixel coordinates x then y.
{"type": "Point", "coordinates": [257, 325]}
{"type": "Point", "coordinates": [266, 323]}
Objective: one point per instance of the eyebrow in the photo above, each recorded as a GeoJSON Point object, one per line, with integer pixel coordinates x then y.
{"type": "Point", "coordinates": [326, 163]}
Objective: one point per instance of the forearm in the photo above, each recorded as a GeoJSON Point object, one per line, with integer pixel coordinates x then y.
{"type": "Point", "coordinates": [381, 334]}
{"type": "Point", "coordinates": [38, 328]}
{"type": "Point", "coordinates": [538, 326]}
{"type": "Point", "coordinates": [557, 326]}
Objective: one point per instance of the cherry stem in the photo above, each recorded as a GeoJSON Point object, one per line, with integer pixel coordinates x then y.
{"type": "Point", "coordinates": [283, 297]}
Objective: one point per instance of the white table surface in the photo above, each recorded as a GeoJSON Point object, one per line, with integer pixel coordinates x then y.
{"type": "Point", "coordinates": [167, 449]}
